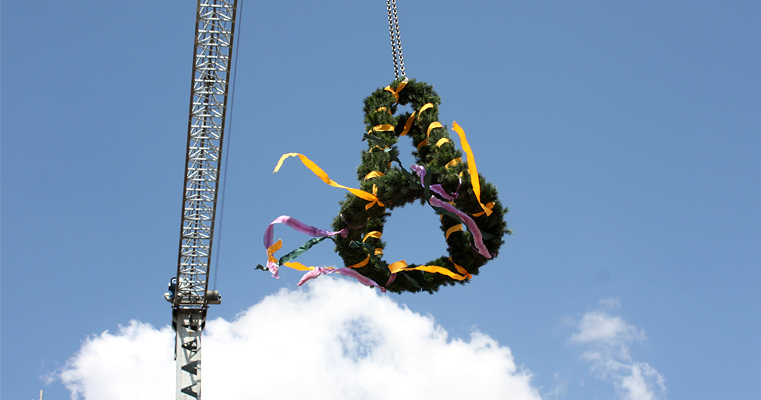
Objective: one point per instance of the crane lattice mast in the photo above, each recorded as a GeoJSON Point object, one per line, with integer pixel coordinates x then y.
{"type": "Point", "coordinates": [189, 294]}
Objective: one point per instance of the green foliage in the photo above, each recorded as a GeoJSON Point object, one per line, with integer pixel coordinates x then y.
{"type": "Point", "coordinates": [399, 187]}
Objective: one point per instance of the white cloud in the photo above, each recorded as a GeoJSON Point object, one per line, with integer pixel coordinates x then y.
{"type": "Point", "coordinates": [607, 341]}
{"type": "Point", "coordinates": [333, 340]}
{"type": "Point", "coordinates": [136, 362]}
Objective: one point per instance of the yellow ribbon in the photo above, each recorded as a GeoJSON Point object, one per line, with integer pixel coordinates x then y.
{"type": "Point", "coordinates": [374, 174]}
{"type": "Point", "coordinates": [398, 89]}
{"type": "Point", "coordinates": [489, 205]}
{"type": "Point", "coordinates": [423, 108]}
{"type": "Point", "coordinates": [460, 269]}
{"type": "Point", "coordinates": [408, 124]}
{"type": "Point", "coordinates": [454, 162]}
{"type": "Point", "coordinates": [372, 198]}
{"type": "Point", "coordinates": [397, 266]}
{"type": "Point", "coordinates": [434, 124]}
{"type": "Point", "coordinates": [272, 249]}
{"type": "Point", "coordinates": [361, 263]}
{"type": "Point", "coordinates": [442, 141]}
{"type": "Point", "coordinates": [298, 266]}
{"type": "Point", "coordinates": [384, 109]}
{"type": "Point", "coordinates": [402, 266]}
{"type": "Point", "coordinates": [421, 144]}
{"type": "Point", "coordinates": [377, 235]}
{"type": "Point", "coordinates": [382, 128]}
{"type": "Point", "coordinates": [471, 166]}
{"type": "Point", "coordinates": [373, 202]}
{"type": "Point", "coordinates": [373, 234]}
{"type": "Point", "coordinates": [453, 229]}
{"type": "Point", "coordinates": [301, 267]}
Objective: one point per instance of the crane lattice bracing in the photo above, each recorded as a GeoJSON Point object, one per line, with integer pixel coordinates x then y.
{"type": "Point", "coordinates": [215, 27]}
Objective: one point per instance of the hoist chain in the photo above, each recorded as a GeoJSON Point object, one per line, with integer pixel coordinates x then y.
{"type": "Point", "coordinates": [396, 39]}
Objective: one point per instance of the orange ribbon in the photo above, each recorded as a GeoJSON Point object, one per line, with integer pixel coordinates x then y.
{"type": "Point", "coordinates": [423, 108]}
{"type": "Point", "coordinates": [402, 266]}
{"type": "Point", "coordinates": [435, 124]}
{"type": "Point", "coordinates": [398, 89]}
{"type": "Point", "coordinates": [372, 198]}
{"type": "Point", "coordinates": [471, 166]}
{"type": "Point", "coordinates": [408, 124]}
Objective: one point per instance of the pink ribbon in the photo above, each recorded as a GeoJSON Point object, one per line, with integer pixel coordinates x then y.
{"type": "Point", "coordinates": [419, 170]}
{"type": "Point", "coordinates": [269, 235]}
{"type": "Point", "coordinates": [317, 271]}
{"type": "Point", "coordinates": [437, 188]}
{"type": "Point", "coordinates": [361, 278]}
{"type": "Point", "coordinates": [478, 239]}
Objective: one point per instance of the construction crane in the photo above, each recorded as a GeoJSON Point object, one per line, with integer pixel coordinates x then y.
{"type": "Point", "coordinates": [188, 290]}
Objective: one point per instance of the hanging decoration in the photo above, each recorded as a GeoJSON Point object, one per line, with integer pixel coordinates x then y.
{"type": "Point", "coordinates": [470, 213]}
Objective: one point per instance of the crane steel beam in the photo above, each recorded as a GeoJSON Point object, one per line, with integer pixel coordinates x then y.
{"type": "Point", "coordinates": [214, 32]}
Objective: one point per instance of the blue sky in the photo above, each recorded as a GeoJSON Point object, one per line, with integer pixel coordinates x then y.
{"type": "Point", "coordinates": [624, 138]}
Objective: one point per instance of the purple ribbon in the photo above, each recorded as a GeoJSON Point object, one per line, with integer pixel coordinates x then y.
{"type": "Point", "coordinates": [419, 170]}
{"type": "Point", "coordinates": [441, 192]}
{"type": "Point", "coordinates": [317, 271]}
{"type": "Point", "coordinates": [269, 235]}
{"type": "Point", "coordinates": [478, 239]}
{"type": "Point", "coordinates": [437, 188]}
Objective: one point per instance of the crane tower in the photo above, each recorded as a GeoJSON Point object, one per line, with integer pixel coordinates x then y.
{"type": "Point", "coordinates": [188, 291]}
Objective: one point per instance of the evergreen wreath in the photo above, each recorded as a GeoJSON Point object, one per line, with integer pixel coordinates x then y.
{"type": "Point", "coordinates": [440, 167]}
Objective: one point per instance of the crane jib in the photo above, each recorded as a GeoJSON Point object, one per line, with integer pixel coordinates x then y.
{"type": "Point", "coordinates": [188, 290]}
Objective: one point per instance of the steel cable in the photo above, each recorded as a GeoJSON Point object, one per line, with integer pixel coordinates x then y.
{"type": "Point", "coordinates": [396, 39]}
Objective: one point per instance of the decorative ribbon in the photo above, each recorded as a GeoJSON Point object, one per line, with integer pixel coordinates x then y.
{"type": "Point", "coordinates": [438, 189]}
{"type": "Point", "coordinates": [432, 126]}
{"type": "Point", "coordinates": [298, 266]}
{"type": "Point", "coordinates": [408, 124]}
{"type": "Point", "coordinates": [373, 174]}
{"type": "Point", "coordinates": [284, 260]}
{"type": "Point", "coordinates": [478, 240]}
{"type": "Point", "coordinates": [453, 229]}
{"type": "Point", "coordinates": [269, 237]}
{"type": "Point", "coordinates": [423, 108]}
{"type": "Point", "coordinates": [471, 166]}
{"type": "Point", "coordinates": [385, 109]}
{"type": "Point", "coordinates": [361, 263]}
{"type": "Point", "coordinates": [436, 203]}
{"type": "Point", "coordinates": [373, 234]}
{"type": "Point", "coordinates": [382, 128]}
{"type": "Point", "coordinates": [378, 251]}
{"type": "Point", "coordinates": [322, 175]}
{"type": "Point", "coordinates": [454, 162]}
{"type": "Point", "coordinates": [489, 205]}
{"type": "Point", "coordinates": [398, 89]}
{"type": "Point", "coordinates": [402, 266]}
{"type": "Point", "coordinates": [460, 269]}
{"type": "Point", "coordinates": [317, 271]}
{"type": "Point", "coordinates": [272, 263]}
{"type": "Point", "coordinates": [376, 201]}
